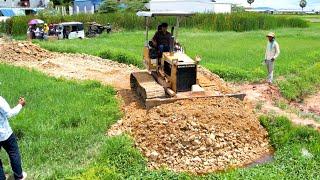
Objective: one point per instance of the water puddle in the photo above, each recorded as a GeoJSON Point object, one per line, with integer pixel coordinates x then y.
{"type": "Point", "coordinates": [267, 158]}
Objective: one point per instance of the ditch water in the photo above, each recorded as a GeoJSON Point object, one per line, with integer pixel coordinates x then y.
{"type": "Point", "coordinates": [267, 158]}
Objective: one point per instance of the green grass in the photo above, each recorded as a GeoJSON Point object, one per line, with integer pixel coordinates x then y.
{"type": "Point", "coordinates": [304, 17]}
{"type": "Point", "coordinates": [62, 135]}
{"type": "Point", "coordinates": [235, 56]}
{"type": "Point", "coordinates": [61, 130]}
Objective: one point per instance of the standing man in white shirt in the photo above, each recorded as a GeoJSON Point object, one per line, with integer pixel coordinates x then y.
{"type": "Point", "coordinates": [8, 140]}
{"type": "Point", "coordinates": [272, 53]}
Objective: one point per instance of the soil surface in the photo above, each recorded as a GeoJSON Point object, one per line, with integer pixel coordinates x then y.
{"type": "Point", "coordinates": [196, 136]}
{"type": "Point", "coordinates": [265, 98]}
{"type": "Point", "coordinates": [311, 104]}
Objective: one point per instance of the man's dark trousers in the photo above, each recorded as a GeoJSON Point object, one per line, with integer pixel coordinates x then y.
{"type": "Point", "coordinates": [11, 147]}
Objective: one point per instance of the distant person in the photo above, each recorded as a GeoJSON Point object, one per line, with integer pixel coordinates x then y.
{"type": "Point", "coordinates": [45, 31]}
{"type": "Point", "coordinates": [29, 33]}
{"type": "Point", "coordinates": [64, 32]}
{"type": "Point", "coordinates": [33, 31]}
{"type": "Point", "coordinates": [38, 33]}
{"type": "Point", "coordinates": [109, 28]}
{"type": "Point", "coordinates": [272, 53]}
{"type": "Point", "coordinates": [51, 30]}
{"type": "Point", "coordinates": [8, 140]}
{"type": "Point", "coordinates": [162, 38]}
{"type": "Point", "coordinates": [159, 28]}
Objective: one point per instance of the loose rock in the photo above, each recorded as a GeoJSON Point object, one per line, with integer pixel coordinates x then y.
{"type": "Point", "coordinates": [23, 51]}
{"type": "Point", "coordinates": [226, 132]}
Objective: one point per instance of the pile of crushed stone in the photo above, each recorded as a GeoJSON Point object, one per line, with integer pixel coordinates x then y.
{"type": "Point", "coordinates": [200, 135]}
{"type": "Point", "coordinates": [22, 50]}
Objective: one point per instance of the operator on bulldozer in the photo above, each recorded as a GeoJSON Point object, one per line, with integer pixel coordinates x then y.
{"type": "Point", "coordinates": [162, 39]}
{"type": "Point", "coordinates": [170, 73]}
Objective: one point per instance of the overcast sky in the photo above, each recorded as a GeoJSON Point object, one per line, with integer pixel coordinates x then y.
{"type": "Point", "coordinates": [277, 4]}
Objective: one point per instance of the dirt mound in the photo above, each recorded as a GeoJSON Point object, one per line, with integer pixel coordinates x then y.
{"type": "Point", "coordinates": [26, 51]}
{"type": "Point", "coordinates": [200, 135]}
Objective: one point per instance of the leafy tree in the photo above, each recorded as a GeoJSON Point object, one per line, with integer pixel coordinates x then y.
{"type": "Point", "coordinates": [135, 6]}
{"type": "Point", "coordinates": [250, 1]}
{"type": "Point", "coordinates": [108, 6]}
{"type": "Point", "coordinates": [49, 11]}
{"type": "Point", "coordinates": [236, 8]}
{"type": "Point", "coordinates": [303, 4]}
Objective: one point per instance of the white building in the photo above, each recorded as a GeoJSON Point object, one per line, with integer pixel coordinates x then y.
{"type": "Point", "coordinates": [197, 6]}
{"type": "Point", "coordinates": [23, 3]}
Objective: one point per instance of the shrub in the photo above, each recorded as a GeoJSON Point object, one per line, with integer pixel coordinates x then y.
{"type": "Point", "coordinates": [2, 27]}
{"type": "Point", "coordinates": [108, 6]}
{"type": "Point", "coordinates": [5, 27]}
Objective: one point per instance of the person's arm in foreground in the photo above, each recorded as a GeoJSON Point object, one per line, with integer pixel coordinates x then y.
{"type": "Point", "coordinates": [8, 112]}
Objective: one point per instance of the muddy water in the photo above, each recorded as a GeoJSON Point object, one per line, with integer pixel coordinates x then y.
{"type": "Point", "coordinates": [267, 158]}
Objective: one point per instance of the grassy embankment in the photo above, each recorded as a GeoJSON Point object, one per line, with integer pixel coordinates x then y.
{"type": "Point", "coordinates": [61, 135]}
{"type": "Point", "coordinates": [235, 56]}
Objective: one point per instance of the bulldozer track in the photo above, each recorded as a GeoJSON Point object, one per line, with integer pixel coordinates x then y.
{"type": "Point", "coordinates": [145, 86]}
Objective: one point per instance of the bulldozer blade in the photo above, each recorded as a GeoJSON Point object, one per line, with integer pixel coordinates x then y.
{"type": "Point", "coordinates": [150, 103]}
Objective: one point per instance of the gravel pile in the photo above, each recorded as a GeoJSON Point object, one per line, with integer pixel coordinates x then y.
{"type": "Point", "coordinates": [23, 51]}
{"type": "Point", "coordinates": [200, 135]}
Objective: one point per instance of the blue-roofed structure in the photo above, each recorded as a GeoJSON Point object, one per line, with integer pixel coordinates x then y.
{"type": "Point", "coordinates": [10, 12]}
{"type": "Point", "coordinates": [7, 12]}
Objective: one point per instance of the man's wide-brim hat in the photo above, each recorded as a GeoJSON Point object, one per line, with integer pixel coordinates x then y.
{"type": "Point", "coordinates": [271, 34]}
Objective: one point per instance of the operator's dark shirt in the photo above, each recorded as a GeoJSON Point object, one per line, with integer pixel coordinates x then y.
{"type": "Point", "coordinates": [162, 38]}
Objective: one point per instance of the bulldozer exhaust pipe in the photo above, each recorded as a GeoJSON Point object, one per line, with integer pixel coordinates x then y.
{"type": "Point", "coordinates": [172, 40]}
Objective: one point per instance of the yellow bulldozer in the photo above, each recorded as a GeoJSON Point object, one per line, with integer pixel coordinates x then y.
{"type": "Point", "coordinates": [171, 76]}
